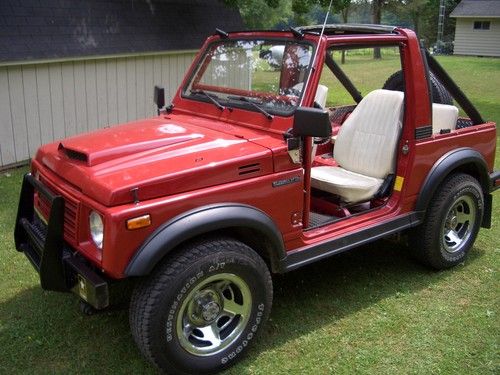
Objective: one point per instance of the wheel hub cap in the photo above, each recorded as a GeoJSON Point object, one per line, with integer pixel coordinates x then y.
{"type": "Point", "coordinates": [204, 307]}
{"type": "Point", "coordinates": [452, 222]}
{"type": "Point", "coordinates": [214, 314]}
{"type": "Point", "coordinates": [458, 225]}
{"type": "Point", "coordinates": [210, 311]}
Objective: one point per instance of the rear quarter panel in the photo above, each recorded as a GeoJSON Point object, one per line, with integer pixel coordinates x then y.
{"type": "Point", "coordinates": [481, 138]}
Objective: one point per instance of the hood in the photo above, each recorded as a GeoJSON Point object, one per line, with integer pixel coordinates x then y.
{"type": "Point", "coordinates": [154, 157]}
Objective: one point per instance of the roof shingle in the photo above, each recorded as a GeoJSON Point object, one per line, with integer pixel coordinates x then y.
{"type": "Point", "coordinates": [477, 8]}
{"type": "Point", "coordinates": [52, 29]}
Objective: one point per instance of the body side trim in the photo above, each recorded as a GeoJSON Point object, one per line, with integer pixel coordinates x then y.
{"type": "Point", "coordinates": [312, 253]}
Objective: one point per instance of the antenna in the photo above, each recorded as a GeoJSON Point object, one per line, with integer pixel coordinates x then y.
{"type": "Point", "coordinates": [317, 49]}
{"type": "Point", "coordinates": [326, 18]}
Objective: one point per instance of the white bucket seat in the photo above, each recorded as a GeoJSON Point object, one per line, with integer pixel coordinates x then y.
{"type": "Point", "coordinates": [365, 148]}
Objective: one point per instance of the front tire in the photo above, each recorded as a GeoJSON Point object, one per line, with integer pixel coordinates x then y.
{"type": "Point", "coordinates": [200, 310]}
{"type": "Point", "coordinates": [451, 224]}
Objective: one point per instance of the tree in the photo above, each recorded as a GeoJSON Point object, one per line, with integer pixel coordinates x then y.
{"type": "Point", "coordinates": [411, 12]}
{"type": "Point", "coordinates": [343, 7]}
{"type": "Point", "coordinates": [377, 20]}
{"type": "Point", "coordinates": [301, 7]}
{"type": "Point", "coordinates": [270, 13]}
{"type": "Point", "coordinates": [263, 14]}
{"type": "Point", "coordinates": [429, 20]}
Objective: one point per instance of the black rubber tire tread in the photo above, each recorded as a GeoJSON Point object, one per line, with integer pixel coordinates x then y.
{"type": "Point", "coordinates": [425, 242]}
{"type": "Point", "coordinates": [149, 291]}
{"type": "Point", "coordinates": [395, 82]}
{"type": "Point", "coordinates": [439, 93]}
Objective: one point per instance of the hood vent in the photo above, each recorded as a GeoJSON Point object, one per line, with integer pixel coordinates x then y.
{"type": "Point", "coordinates": [72, 154]}
{"type": "Point", "coordinates": [250, 168]}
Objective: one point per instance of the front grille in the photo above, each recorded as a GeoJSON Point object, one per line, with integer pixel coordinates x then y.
{"type": "Point", "coordinates": [70, 217]}
{"type": "Point", "coordinates": [70, 210]}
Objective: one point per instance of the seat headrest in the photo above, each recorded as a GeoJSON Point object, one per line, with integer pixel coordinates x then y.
{"type": "Point", "coordinates": [321, 95]}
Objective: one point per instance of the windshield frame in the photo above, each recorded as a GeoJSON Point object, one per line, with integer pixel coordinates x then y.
{"type": "Point", "coordinates": [259, 95]}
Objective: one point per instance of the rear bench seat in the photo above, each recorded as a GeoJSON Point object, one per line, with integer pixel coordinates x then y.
{"type": "Point", "coordinates": [444, 118]}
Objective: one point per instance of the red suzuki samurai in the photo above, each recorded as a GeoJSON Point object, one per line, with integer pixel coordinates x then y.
{"type": "Point", "coordinates": [280, 148]}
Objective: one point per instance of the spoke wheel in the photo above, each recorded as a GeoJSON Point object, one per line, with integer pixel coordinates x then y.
{"type": "Point", "coordinates": [214, 314]}
{"type": "Point", "coordinates": [458, 225]}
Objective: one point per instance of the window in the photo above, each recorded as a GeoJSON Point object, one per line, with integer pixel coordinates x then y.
{"type": "Point", "coordinates": [481, 25]}
{"type": "Point", "coordinates": [250, 72]}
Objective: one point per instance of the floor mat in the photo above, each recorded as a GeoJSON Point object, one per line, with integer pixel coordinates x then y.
{"type": "Point", "coordinates": [317, 219]}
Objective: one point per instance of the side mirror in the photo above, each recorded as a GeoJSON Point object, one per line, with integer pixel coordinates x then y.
{"type": "Point", "coordinates": [311, 122]}
{"type": "Point", "coordinates": [159, 97]}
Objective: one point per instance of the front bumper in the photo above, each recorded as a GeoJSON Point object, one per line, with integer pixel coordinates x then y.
{"type": "Point", "coordinates": [60, 267]}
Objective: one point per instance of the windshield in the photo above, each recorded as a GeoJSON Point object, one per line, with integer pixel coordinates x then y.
{"type": "Point", "coordinates": [245, 73]}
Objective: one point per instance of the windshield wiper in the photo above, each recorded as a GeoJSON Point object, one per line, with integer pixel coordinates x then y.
{"type": "Point", "coordinates": [253, 104]}
{"type": "Point", "coordinates": [212, 99]}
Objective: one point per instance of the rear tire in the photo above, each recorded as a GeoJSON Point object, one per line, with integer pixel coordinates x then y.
{"type": "Point", "coordinates": [451, 223]}
{"type": "Point", "coordinates": [439, 93]}
{"type": "Point", "coordinates": [200, 310]}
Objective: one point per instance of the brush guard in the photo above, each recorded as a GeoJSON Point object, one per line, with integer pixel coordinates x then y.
{"type": "Point", "coordinates": [60, 268]}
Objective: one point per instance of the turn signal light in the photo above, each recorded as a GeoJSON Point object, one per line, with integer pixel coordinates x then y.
{"type": "Point", "coordinates": [139, 222]}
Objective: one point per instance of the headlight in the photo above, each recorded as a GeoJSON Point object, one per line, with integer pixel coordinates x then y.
{"type": "Point", "coordinates": [96, 228]}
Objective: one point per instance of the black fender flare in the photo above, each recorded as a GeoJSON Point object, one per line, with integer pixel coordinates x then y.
{"type": "Point", "coordinates": [453, 160]}
{"type": "Point", "coordinates": [200, 221]}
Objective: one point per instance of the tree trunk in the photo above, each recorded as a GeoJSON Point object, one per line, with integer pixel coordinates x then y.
{"type": "Point", "coordinates": [416, 20]}
{"type": "Point", "coordinates": [376, 19]}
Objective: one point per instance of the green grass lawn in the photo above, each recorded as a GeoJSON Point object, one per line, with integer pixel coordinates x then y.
{"type": "Point", "coordinates": [369, 311]}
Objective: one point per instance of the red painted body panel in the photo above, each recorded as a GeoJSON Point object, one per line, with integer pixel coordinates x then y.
{"type": "Point", "coordinates": [482, 138]}
{"type": "Point", "coordinates": [121, 243]}
{"type": "Point", "coordinates": [163, 156]}
{"type": "Point", "coordinates": [199, 155]}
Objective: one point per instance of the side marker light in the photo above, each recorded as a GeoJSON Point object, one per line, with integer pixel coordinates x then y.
{"type": "Point", "coordinates": [139, 222]}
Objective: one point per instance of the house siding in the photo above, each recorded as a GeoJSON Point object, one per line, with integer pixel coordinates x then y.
{"type": "Point", "coordinates": [41, 103]}
{"type": "Point", "coordinates": [477, 42]}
